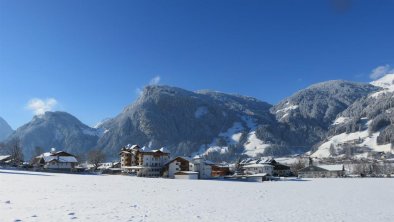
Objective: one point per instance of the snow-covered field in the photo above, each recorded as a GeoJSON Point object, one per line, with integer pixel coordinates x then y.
{"type": "Point", "coordinates": [61, 197]}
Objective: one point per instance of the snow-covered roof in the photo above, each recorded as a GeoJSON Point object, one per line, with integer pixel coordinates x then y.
{"type": "Point", "coordinates": [186, 172]}
{"type": "Point", "coordinates": [135, 146]}
{"type": "Point", "coordinates": [197, 157]}
{"type": "Point", "coordinates": [258, 175]}
{"type": "Point", "coordinates": [182, 157]}
{"type": "Point", "coordinates": [256, 165]}
{"type": "Point", "coordinates": [4, 157]}
{"type": "Point", "coordinates": [145, 149]}
{"type": "Point", "coordinates": [60, 156]}
{"type": "Point", "coordinates": [61, 159]}
{"type": "Point", "coordinates": [164, 150]}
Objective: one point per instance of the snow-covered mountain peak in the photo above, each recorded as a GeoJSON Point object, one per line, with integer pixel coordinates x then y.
{"type": "Point", "coordinates": [386, 82]}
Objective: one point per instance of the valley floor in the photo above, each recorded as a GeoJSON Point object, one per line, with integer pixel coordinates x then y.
{"type": "Point", "coordinates": [26, 196]}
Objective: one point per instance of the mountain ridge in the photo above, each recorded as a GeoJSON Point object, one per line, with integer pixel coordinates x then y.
{"type": "Point", "coordinates": [212, 123]}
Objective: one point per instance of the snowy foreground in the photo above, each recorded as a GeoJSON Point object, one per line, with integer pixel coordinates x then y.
{"type": "Point", "coordinates": [28, 196]}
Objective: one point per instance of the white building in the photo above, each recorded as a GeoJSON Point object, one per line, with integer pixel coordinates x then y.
{"type": "Point", "coordinates": [143, 162]}
{"type": "Point", "coordinates": [55, 160]}
{"type": "Point", "coordinates": [203, 167]}
{"type": "Point", "coordinates": [187, 168]}
{"type": "Point", "coordinates": [259, 168]}
{"type": "Point", "coordinates": [178, 164]}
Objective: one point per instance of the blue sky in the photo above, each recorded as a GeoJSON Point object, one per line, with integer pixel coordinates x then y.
{"type": "Point", "coordinates": [90, 57]}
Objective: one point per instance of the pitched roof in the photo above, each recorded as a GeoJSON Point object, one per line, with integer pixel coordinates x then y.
{"type": "Point", "coordinates": [61, 159]}
{"type": "Point", "coordinates": [182, 157]}
{"type": "Point", "coordinates": [2, 158]}
{"type": "Point", "coordinates": [60, 156]}
{"type": "Point", "coordinates": [255, 165]}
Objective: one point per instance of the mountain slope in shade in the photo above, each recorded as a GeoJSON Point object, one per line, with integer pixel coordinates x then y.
{"type": "Point", "coordinates": [55, 129]}
{"type": "Point", "coordinates": [215, 123]}
{"type": "Point", "coordinates": [309, 113]}
{"type": "Point", "coordinates": [188, 122]}
{"type": "Point", "coordinates": [5, 129]}
{"type": "Point", "coordinates": [366, 125]}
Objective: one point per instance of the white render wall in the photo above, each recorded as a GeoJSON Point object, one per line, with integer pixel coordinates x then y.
{"type": "Point", "coordinates": [54, 165]}
{"type": "Point", "coordinates": [174, 167]}
{"type": "Point", "coordinates": [151, 161]}
{"type": "Point", "coordinates": [204, 170]}
{"type": "Point", "coordinates": [264, 168]}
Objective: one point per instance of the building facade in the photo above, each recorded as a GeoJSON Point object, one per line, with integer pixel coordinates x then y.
{"type": "Point", "coordinates": [143, 162]}
{"type": "Point", "coordinates": [55, 160]}
{"type": "Point", "coordinates": [259, 168]}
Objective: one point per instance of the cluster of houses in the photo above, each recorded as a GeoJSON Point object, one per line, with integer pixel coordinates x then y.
{"type": "Point", "coordinates": [146, 162]}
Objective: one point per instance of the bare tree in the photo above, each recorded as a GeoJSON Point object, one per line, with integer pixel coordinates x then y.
{"type": "Point", "coordinates": [2, 148]}
{"type": "Point", "coordinates": [296, 167]}
{"type": "Point", "coordinates": [238, 166]}
{"type": "Point", "coordinates": [361, 168]}
{"type": "Point", "coordinates": [38, 151]}
{"type": "Point", "coordinates": [96, 157]}
{"type": "Point", "coordinates": [14, 149]}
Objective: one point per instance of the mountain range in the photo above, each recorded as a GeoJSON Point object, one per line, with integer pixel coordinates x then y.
{"type": "Point", "coordinates": [324, 119]}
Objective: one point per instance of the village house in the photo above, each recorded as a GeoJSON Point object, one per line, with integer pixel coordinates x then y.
{"type": "Point", "coordinates": [263, 169]}
{"type": "Point", "coordinates": [180, 168]}
{"type": "Point", "coordinates": [188, 168]}
{"type": "Point", "coordinates": [55, 160]}
{"type": "Point", "coordinates": [203, 167]}
{"type": "Point", "coordinates": [143, 162]}
{"type": "Point", "coordinates": [322, 171]}
{"type": "Point", "coordinates": [110, 168]}
{"type": "Point", "coordinates": [250, 165]}
{"type": "Point", "coordinates": [220, 170]}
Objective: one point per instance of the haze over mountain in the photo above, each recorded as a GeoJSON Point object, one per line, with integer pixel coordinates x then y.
{"type": "Point", "coordinates": [5, 129]}
{"type": "Point", "coordinates": [55, 130]}
{"type": "Point", "coordinates": [225, 125]}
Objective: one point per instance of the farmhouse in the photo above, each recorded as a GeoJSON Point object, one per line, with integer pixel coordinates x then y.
{"type": "Point", "coordinates": [143, 162]}
{"type": "Point", "coordinates": [55, 160]}
{"type": "Point", "coordinates": [322, 171]}
{"type": "Point", "coordinates": [220, 170]}
{"type": "Point", "coordinates": [176, 165]}
{"type": "Point", "coordinates": [253, 166]}
{"type": "Point", "coordinates": [188, 168]}
{"type": "Point", "coordinates": [259, 168]}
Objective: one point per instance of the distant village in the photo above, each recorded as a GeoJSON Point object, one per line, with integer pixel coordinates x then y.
{"type": "Point", "coordinates": [138, 161]}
